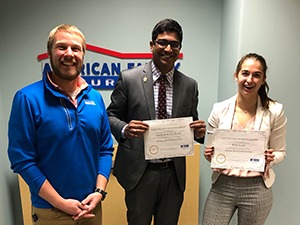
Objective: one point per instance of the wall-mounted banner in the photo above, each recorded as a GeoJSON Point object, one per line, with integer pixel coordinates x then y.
{"type": "Point", "coordinates": [102, 66]}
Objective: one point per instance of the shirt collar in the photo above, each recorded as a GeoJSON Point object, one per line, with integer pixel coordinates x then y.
{"type": "Point", "coordinates": [81, 84]}
{"type": "Point", "coordinates": [156, 74]}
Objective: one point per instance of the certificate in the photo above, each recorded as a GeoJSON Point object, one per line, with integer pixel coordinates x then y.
{"type": "Point", "coordinates": [169, 138]}
{"type": "Point", "coordinates": [238, 149]}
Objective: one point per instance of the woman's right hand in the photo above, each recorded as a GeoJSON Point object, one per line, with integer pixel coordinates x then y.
{"type": "Point", "coordinates": [208, 152]}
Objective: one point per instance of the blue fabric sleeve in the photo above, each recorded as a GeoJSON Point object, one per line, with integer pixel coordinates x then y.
{"type": "Point", "coordinates": [22, 142]}
{"type": "Point", "coordinates": [106, 148]}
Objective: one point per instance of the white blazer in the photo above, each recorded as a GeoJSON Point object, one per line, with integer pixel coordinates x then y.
{"type": "Point", "coordinates": [272, 121]}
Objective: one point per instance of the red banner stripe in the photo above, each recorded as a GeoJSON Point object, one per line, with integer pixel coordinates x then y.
{"type": "Point", "coordinates": [111, 53]}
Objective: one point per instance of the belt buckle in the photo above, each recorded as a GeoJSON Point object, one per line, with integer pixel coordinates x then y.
{"type": "Point", "coordinates": [165, 165]}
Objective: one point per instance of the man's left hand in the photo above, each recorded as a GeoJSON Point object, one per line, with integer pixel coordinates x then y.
{"type": "Point", "coordinates": [199, 128]}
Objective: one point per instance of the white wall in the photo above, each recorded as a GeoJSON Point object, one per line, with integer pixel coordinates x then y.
{"type": "Point", "coordinates": [216, 34]}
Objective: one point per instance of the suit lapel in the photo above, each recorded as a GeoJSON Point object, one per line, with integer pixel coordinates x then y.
{"type": "Point", "coordinates": [227, 121]}
{"type": "Point", "coordinates": [177, 85]}
{"type": "Point", "coordinates": [147, 83]}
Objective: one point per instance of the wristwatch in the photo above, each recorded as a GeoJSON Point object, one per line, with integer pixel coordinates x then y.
{"type": "Point", "coordinates": [102, 192]}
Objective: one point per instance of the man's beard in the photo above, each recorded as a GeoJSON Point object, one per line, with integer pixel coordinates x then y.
{"type": "Point", "coordinates": [69, 76]}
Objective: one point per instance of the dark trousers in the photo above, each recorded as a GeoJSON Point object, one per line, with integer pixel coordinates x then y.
{"type": "Point", "coordinates": [156, 196]}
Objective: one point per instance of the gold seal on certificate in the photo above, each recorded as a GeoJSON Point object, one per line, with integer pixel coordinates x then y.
{"type": "Point", "coordinates": [169, 138]}
{"type": "Point", "coordinates": [153, 149]}
{"type": "Point", "coordinates": [221, 158]}
{"type": "Point", "coordinates": [239, 149]}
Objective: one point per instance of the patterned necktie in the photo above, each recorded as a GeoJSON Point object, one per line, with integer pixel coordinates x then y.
{"type": "Point", "coordinates": [162, 106]}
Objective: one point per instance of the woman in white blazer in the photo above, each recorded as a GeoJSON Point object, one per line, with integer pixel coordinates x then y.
{"type": "Point", "coordinates": [249, 192]}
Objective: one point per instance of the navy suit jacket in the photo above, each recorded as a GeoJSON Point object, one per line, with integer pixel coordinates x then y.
{"type": "Point", "coordinates": [133, 99]}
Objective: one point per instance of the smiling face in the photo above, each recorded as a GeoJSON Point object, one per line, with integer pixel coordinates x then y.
{"type": "Point", "coordinates": [66, 55]}
{"type": "Point", "coordinates": [250, 77]}
{"type": "Point", "coordinates": [164, 57]}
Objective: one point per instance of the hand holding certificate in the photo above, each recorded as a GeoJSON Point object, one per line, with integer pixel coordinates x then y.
{"type": "Point", "coordinates": [238, 149]}
{"type": "Point", "coordinates": [169, 138]}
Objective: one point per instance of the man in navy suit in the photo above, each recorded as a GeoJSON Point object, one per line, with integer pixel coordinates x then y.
{"type": "Point", "coordinates": [153, 188]}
